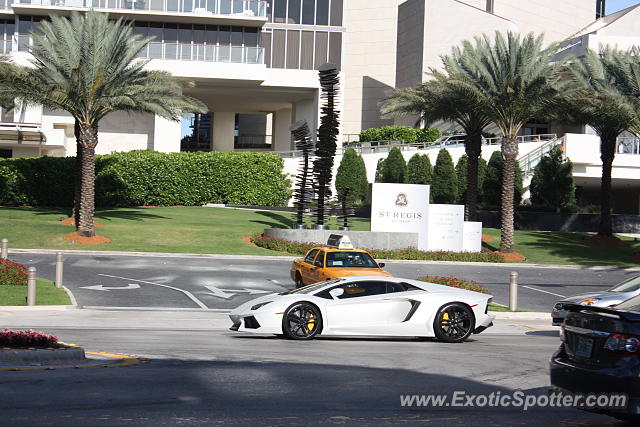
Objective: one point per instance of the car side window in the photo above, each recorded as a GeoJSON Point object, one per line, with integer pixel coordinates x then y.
{"type": "Point", "coordinates": [311, 256]}
{"type": "Point", "coordinates": [319, 260]}
{"type": "Point", "coordinates": [395, 287]}
{"type": "Point", "coordinates": [362, 289]}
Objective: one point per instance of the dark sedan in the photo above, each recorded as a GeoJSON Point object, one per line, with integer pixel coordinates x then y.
{"type": "Point", "coordinates": [600, 353]}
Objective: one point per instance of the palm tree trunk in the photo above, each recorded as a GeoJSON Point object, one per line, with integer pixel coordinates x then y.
{"type": "Point", "coordinates": [473, 149]}
{"type": "Point", "coordinates": [88, 142]}
{"type": "Point", "coordinates": [75, 214]}
{"type": "Point", "coordinates": [607, 154]}
{"type": "Point", "coordinates": [510, 154]}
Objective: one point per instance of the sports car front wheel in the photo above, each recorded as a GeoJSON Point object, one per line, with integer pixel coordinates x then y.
{"type": "Point", "coordinates": [454, 323]}
{"type": "Point", "coordinates": [301, 321]}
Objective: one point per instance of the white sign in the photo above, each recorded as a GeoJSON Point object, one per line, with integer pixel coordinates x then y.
{"type": "Point", "coordinates": [472, 237]}
{"type": "Point", "coordinates": [445, 225]}
{"type": "Point", "coordinates": [400, 208]}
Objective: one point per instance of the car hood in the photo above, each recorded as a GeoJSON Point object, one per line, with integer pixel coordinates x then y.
{"type": "Point", "coordinates": [357, 271]}
{"type": "Point", "coordinates": [605, 298]}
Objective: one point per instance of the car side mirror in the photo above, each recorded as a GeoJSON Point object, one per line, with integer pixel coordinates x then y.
{"type": "Point", "coordinates": [381, 264]}
{"type": "Point", "coordinates": [336, 292]}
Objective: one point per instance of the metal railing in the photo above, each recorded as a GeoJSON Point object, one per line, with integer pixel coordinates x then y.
{"type": "Point", "coordinates": [251, 8]}
{"type": "Point", "coordinates": [373, 147]}
{"type": "Point", "coordinates": [253, 142]}
{"type": "Point", "coordinates": [530, 160]}
{"type": "Point", "coordinates": [206, 53]}
{"type": "Point", "coordinates": [628, 145]}
{"type": "Point", "coordinates": [22, 132]}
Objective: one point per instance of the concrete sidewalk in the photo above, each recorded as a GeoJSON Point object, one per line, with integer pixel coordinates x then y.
{"type": "Point", "coordinates": [199, 320]}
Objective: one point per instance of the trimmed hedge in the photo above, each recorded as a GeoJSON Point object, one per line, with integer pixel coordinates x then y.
{"type": "Point", "coordinates": [399, 133]}
{"type": "Point", "coordinates": [469, 285]}
{"type": "Point", "coordinates": [143, 178]}
{"type": "Point", "coordinates": [296, 248]}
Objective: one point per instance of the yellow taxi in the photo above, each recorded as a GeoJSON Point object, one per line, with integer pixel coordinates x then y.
{"type": "Point", "coordinates": [337, 259]}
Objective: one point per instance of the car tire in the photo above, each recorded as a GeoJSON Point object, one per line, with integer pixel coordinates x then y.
{"type": "Point", "coordinates": [299, 282]}
{"type": "Point", "coordinates": [454, 323]}
{"type": "Point", "coordinates": [301, 321]}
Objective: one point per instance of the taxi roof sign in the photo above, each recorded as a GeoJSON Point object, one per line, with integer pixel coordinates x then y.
{"type": "Point", "coordinates": [339, 241]}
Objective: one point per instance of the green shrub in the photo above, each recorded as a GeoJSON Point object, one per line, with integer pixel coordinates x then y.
{"type": "Point", "coordinates": [444, 185]}
{"type": "Point", "coordinates": [12, 274]}
{"type": "Point", "coordinates": [552, 185]}
{"type": "Point", "coordinates": [419, 170]}
{"type": "Point", "coordinates": [469, 285]}
{"type": "Point", "coordinates": [394, 168]}
{"type": "Point", "coordinates": [379, 169]}
{"type": "Point", "coordinates": [428, 135]}
{"type": "Point", "coordinates": [296, 248]}
{"type": "Point", "coordinates": [139, 178]}
{"type": "Point", "coordinates": [461, 174]}
{"type": "Point", "coordinates": [389, 133]}
{"type": "Point", "coordinates": [352, 178]}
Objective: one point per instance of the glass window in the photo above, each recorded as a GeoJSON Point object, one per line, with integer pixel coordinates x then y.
{"type": "Point", "coordinates": [321, 48]}
{"type": "Point", "coordinates": [277, 52]}
{"type": "Point", "coordinates": [6, 154]}
{"type": "Point", "coordinates": [212, 34]}
{"type": "Point", "coordinates": [630, 285]}
{"type": "Point", "coordinates": [173, 5]}
{"type": "Point", "coordinates": [322, 12]}
{"type": "Point", "coordinates": [293, 49]}
{"type": "Point", "coordinates": [350, 259]}
{"type": "Point", "coordinates": [251, 37]}
{"type": "Point", "coordinates": [199, 35]}
{"type": "Point", "coordinates": [319, 262]}
{"type": "Point", "coordinates": [187, 5]}
{"type": "Point", "coordinates": [306, 51]}
{"type": "Point", "coordinates": [156, 4]}
{"type": "Point", "coordinates": [362, 289]}
{"type": "Point", "coordinates": [170, 33]}
{"type": "Point", "coordinates": [224, 35]}
{"type": "Point", "coordinates": [265, 41]}
{"type": "Point", "coordinates": [311, 256]}
{"type": "Point", "coordinates": [336, 13]}
{"type": "Point", "coordinates": [308, 12]}
{"type": "Point", "coordinates": [141, 29]}
{"type": "Point", "coordinates": [155, 30]}
{"type": "Point", "coordinates": [269, 10]}
{"type": "Point", "coordinates": [225, 7]}
{"type": "Point", "coordinates": [185, 33]}
{"type": "Point", "coordinates": [236, 36]}
{"type": "Point", "coordinates": [294, 12]}
{"type": "Point", "coordinates": [279, 10]}
{"type": "Point", "coordinates": [335, 49]}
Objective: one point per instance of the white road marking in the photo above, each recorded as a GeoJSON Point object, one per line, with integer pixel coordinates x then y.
{"type": "Point", "coordinates": [130, 286]}
{"type": "Point", "coordinates": [229, 293]}
{"type": "Point", "coordinates": [546, 292]}
{"type": "Point", "coordinates": [187, 293]}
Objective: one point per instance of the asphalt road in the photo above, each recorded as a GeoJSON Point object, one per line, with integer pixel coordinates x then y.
{"type": "Point", "coordinates": [222, 283]}
{"type": "Point", "coordinates": [200, 376]}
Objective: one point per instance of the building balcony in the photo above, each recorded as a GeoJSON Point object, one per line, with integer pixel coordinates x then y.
{"type": "Point", "coordinates": [204, 53]}
{"type": "Point", "coordinates": [248, 13]}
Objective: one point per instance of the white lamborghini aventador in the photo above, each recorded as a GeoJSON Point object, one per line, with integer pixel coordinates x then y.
{"type": "Point", "coordinates": [388, 306]}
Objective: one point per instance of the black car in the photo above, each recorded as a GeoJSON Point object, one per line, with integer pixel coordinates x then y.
{"type": "Point", "coordinates": [600, 353]}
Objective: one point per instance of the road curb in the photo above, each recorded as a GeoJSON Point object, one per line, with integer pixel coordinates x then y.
{"type": "Point", "coordinates": [13, 308]}
{"type": "Point", "coordinates": [39, 356]}
{"type": "Point", "coordinates": [291, 258]}
{"type": "Point", "coordinates": [521, 315]}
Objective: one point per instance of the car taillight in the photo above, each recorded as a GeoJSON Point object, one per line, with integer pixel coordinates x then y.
{"type": "Point", "coordinates": [623, 343]}
{"type": "Point", "coordinates": [563, 335]}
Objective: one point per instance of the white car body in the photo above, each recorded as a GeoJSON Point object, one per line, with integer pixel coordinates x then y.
{"type": "Point", "coordinates": [409, 313]}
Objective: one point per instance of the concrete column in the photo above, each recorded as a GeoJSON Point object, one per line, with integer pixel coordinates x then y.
{"type": "Point", "coordinates": [281, 132]}
{"type": "Point", "coordinates": [166, 135]}
{"type": "Point", "coordinates": [224, 125]}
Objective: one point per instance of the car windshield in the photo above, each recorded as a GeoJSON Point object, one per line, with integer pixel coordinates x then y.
{"type": "Point", "coordinates": [350, 259]}
{"type": "Point", "coordinates": [312, 288]}
{"type": "Point", "coordinates": [630, 285]}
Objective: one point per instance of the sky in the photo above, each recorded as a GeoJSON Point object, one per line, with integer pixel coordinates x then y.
{"type": "Point", "coordinates": [616, 5]}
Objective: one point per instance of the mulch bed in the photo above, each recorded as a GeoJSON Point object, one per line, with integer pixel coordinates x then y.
{"type": "Point", "coordinates": [72, 221]}
{"type": "Point", "coordinates": [606, 241]}
{"type": "Point", "coordinates": [487, 238]}
{"type": "Point", "coordinates": [80, 240]}
{"type": "Point", "coordinates": [514, 256]}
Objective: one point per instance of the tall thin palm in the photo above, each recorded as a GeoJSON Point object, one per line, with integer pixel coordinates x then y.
{"type": "Point", "coordinates": [435, 100]}
{"type": "Point", "coordinates": [514, 79]}
{"type": "Point", "coordinates": [87, 65]}
{"type": "Point", "coordinates": [606, 85]}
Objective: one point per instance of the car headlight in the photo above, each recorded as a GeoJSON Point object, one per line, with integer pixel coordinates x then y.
{"type": "Point", "coordinates": [559, 306]}
{"type": "Point", "coordinates": [589, 301]}
{"type": "Point", "coordinates": [257, 306]}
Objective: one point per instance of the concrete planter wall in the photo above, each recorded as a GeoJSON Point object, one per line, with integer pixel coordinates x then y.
{"type": "Point", "coordinates": [41, 356]}
{"type": "Point", "coordinates": [359, 239]}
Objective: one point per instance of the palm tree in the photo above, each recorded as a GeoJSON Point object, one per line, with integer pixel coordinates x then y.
{"type": "Point", "coordinates": [606, 85]}
{"type": "Point", "coordinates": [514, 80]}
{"type": "Point", "coordinates": [87, 65]}
{"type": "Point", "coordinates": [436, 100]}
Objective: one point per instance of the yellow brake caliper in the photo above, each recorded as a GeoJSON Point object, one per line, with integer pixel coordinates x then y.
{"type": "Point", "coordinates": [445, 320]}
{"type": "Point", "coordinates": [311, 323]}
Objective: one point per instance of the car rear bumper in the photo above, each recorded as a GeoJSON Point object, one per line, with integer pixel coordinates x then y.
{"type": "Point", "coordinates": [568, 377]}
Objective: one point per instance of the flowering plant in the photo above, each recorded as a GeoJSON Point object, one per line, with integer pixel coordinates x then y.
{"type": "Point", "coordinates": [469, 285]}
{"type": "Point", "coordinates": [12, 274]}
{"type": "Point", "coordinates": [30, 338]}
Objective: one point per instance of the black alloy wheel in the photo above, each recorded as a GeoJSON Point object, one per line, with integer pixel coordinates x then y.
{"type": "Point", "coordinates": [301, 321]}
{"type": "Point", "coordinates": [454, 323]}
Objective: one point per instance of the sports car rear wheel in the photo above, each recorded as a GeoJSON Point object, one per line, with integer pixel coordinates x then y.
{"type": "Point", "coordinates": [454, 323]}
{"type": "Point", "coordinates": [301, 321]}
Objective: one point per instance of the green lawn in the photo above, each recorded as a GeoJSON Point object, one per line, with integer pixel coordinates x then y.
{"type": "Point", "coordinates": [496, 307]}
{"type": "Point", "coordinates": [221, 231]}
{"type": "Point", "coordinates": [161, 229]}
{"type": "Point", "coordinates": [566, 248]}
{"type": "Point", "coordinates": [46, 294]}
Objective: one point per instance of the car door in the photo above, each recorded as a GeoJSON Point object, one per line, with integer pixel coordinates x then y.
{"type": "Point", "coordinates": [365, 308]}
{"type": "Point", "coordinates": [318, 271]}
{"type": "Point", "coordinates": [306, 265]}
